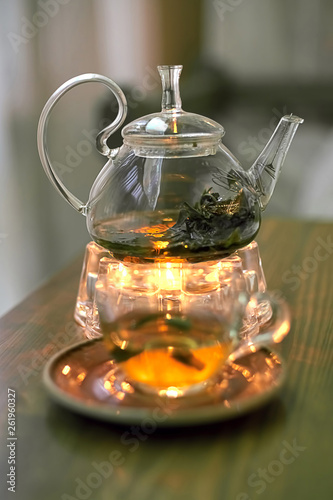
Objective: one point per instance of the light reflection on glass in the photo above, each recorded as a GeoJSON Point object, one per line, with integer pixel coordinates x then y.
{"type": "Point", "coordinates": [171, 392]}
{"type": "Point", "coordinates": [66, 369]}
{"type": "Point", "coordinates": [81, 376]}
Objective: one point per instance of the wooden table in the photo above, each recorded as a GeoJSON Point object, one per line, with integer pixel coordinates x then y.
{"type": "Point", "coordinates": [282, 451]}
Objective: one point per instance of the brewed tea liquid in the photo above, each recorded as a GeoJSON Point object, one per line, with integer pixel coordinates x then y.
{"type": "Point", "coordinates": [144, 236]}
{"type": "Point", "coordinates": [164, 351]}
{"type": "Point", "coordinates": [148, 236]}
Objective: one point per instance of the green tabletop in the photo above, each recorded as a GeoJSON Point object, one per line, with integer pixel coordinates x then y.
{"type": "Point", "coordinates": [281, 451]}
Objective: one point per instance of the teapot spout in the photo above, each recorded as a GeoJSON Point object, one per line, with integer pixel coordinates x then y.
{"type": "Point", "coordinates": [266, 169]}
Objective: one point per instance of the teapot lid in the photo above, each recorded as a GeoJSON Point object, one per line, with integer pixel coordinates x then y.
{"type": "Point", "coordinates": [173, 132]}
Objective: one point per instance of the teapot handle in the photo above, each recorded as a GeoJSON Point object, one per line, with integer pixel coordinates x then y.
{"type": "Point", "coordinates": [101, 140]}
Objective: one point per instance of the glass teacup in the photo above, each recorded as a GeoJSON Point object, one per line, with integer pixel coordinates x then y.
{"type": "Point", "coordinates": [170, 330]}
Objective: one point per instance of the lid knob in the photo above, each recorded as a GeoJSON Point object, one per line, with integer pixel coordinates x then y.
{"type": "Point", "coordinates": [170, 87]}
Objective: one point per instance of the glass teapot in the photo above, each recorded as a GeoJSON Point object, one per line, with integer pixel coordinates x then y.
{"type": "Point", "coordinates": [172, 190]}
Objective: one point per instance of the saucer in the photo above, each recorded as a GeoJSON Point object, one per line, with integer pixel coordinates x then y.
{"type": "Point", "coordinates": [83, 379]}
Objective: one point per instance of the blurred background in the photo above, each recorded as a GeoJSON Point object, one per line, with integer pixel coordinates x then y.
{"type": "Point", "coordinates": [246, 64]}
